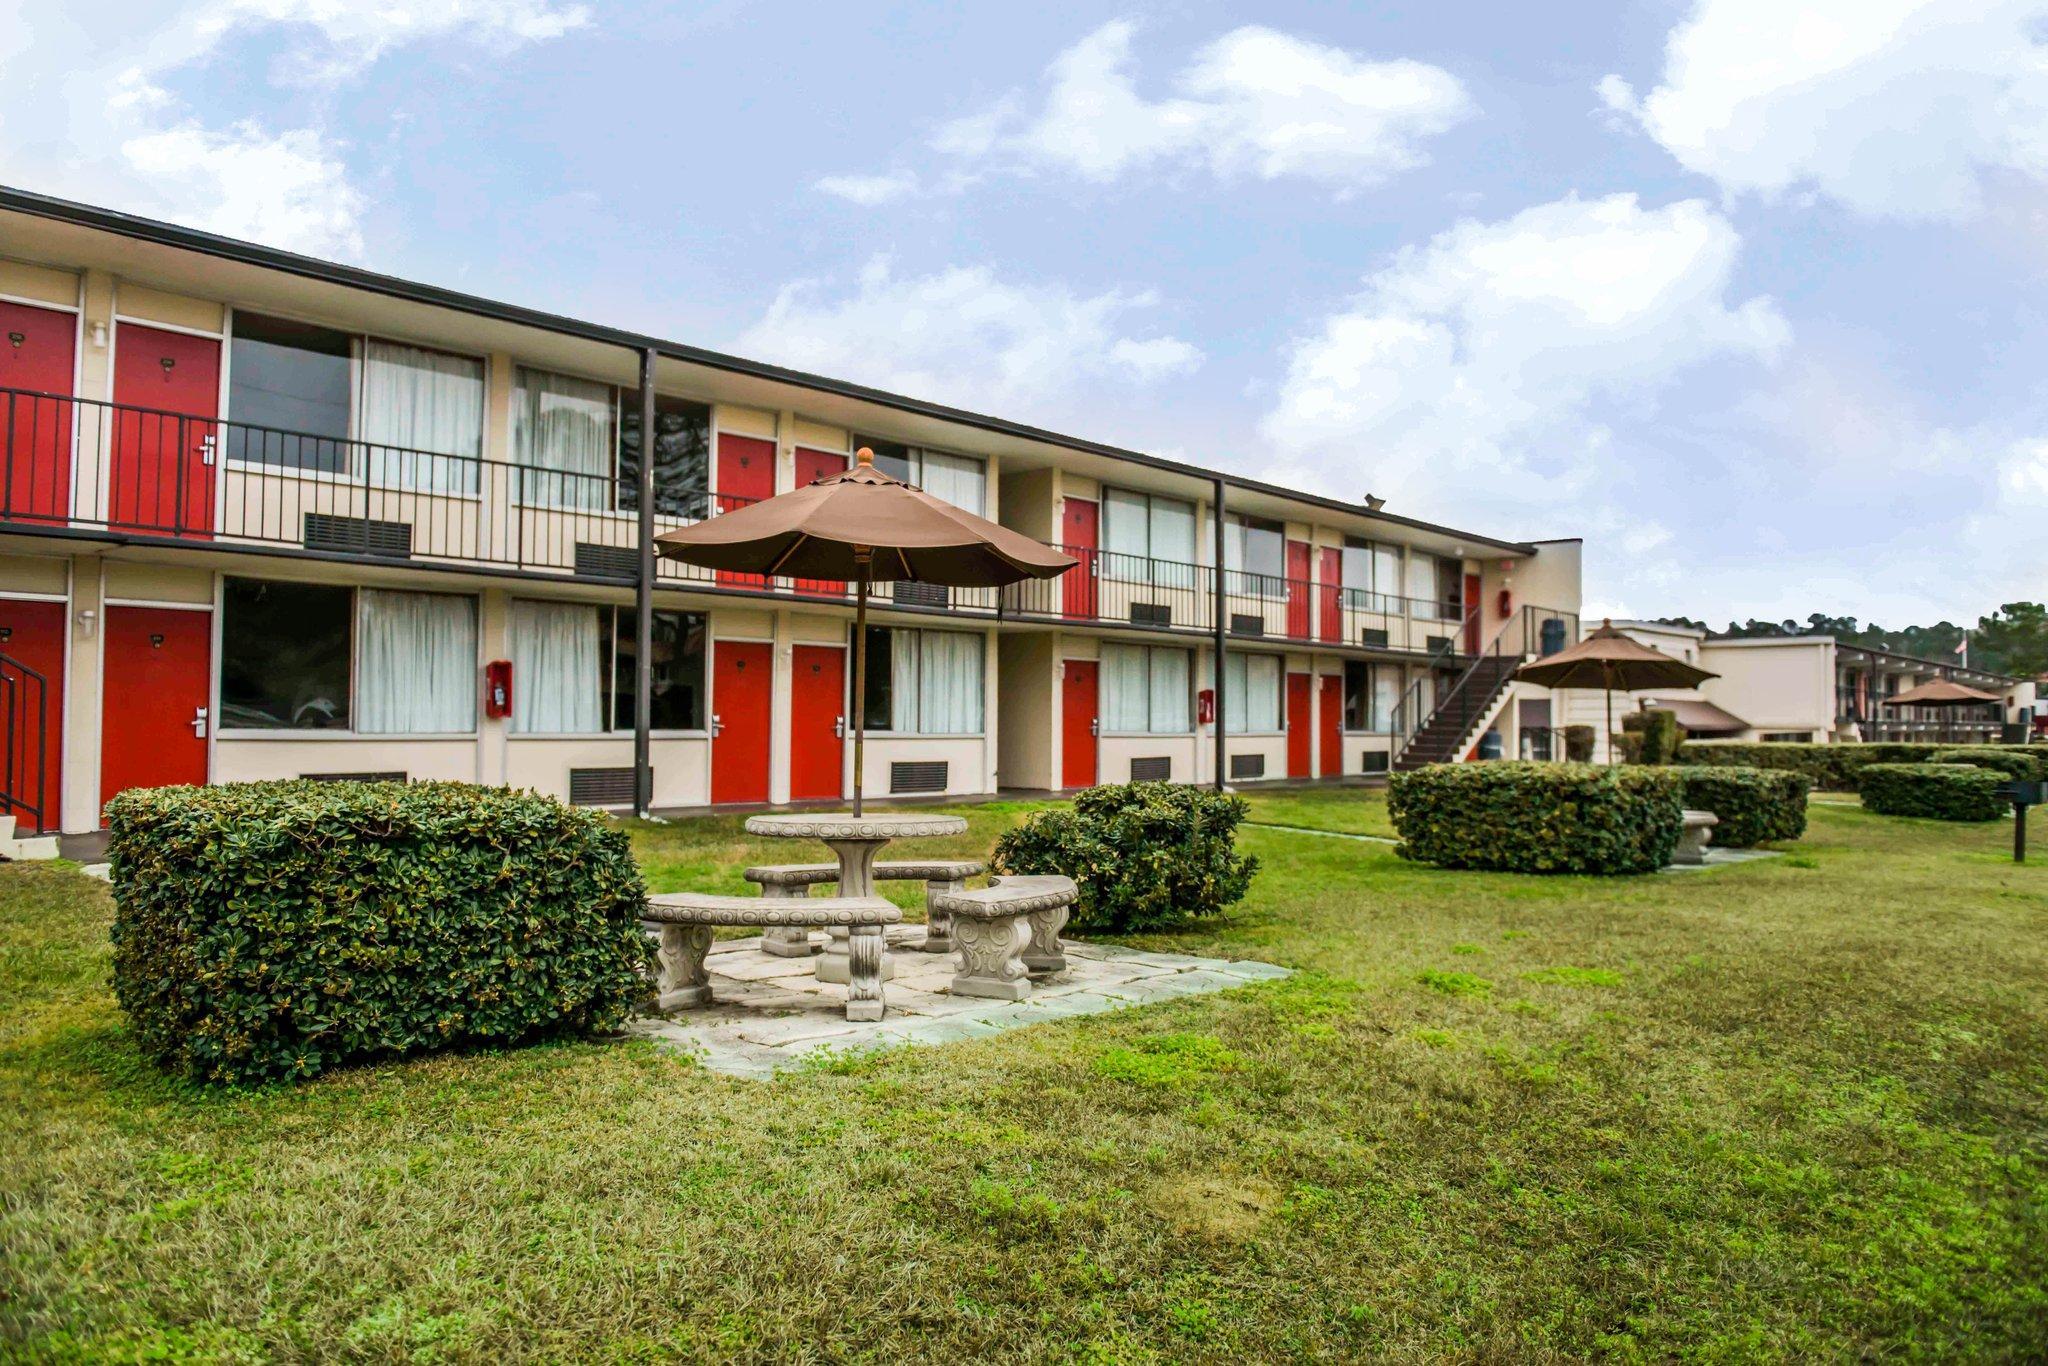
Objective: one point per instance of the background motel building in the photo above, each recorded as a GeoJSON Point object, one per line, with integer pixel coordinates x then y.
{"type": "Point", "coordinates": [262, 516]}
{"type": "Point", "coordinates": [1804, 688]}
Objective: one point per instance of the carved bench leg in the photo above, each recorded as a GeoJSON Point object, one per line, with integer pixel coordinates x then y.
{"type": "Point", "coordinates": [991, 957]}
{"type": "Point", "coordinates": [1046, 956]}
{"type": "Point", "coordinates": [938, 925]}
{"type": "Point", "coordinates": [681, 982]}
{"type": "Point", "coordinates": [793, 941]}
{"type": "Point", "coordinates": [864, 969]}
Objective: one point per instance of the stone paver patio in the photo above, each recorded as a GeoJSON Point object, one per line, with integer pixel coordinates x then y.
{"type": "Point", "coordinates": [769, 1013]}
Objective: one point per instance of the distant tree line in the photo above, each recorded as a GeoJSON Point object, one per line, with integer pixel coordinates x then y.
{"type": "Point", "coordinates": [2013, 640]}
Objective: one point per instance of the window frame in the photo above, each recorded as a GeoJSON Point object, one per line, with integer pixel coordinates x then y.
{"type": "Point", "coordinates": [913, 458]}
{"type": "Point", "coordinates": [355, 617]}
{"type": "Point", "coordinates": [1151, 728]}
{"type": "Point", "coordinates": [886, 678]}
{"type": "Point", "coordinates": [1108, 494]}
{"type": "Point", "coordinates": [1238, 662]}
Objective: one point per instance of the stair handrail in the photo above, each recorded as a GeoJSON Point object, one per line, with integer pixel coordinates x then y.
{"type": "Point", "coordinates": [15, 677]}
{"type": "Point", "coordinates": [1525, 617]}
{"type": "Point", "coordinates": [1406, 710]}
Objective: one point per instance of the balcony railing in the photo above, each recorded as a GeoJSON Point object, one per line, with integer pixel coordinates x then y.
{"type": "Point", "coordinates": [90, 465]}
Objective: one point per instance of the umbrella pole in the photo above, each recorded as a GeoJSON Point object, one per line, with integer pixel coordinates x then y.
{"type": "Point", "coordinates": [860, 672]}
{"type": "Point", "coordinates": [1607, 691]}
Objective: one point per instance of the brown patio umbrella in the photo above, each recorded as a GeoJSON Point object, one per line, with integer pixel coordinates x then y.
{"type": "Point", "coordinates": [1940, 692]}
{"type": "Point", "coordinates": [859, 526]}
{"type": "Point", "coordinates": [1609, 659]}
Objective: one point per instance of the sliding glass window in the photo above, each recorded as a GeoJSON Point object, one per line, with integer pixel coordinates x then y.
{"type": "Point", "coordinates": [1147, 539]}
{"type": "Point", "coordinates": [1144, 690]}
{"type": "Point", "coordinates": [292, 384]}
{"type": "Point", "coordinates": [1251, 698]}
{"type": "Point", "coordinates": [924, 682]}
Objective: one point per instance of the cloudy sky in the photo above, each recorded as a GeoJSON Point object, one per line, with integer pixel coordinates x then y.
{"type": "Point", "coordinates": [1752, 294]}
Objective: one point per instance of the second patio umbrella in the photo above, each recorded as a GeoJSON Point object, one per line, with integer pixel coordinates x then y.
{"type": "Point", "coordinates": [1609, 659]}
{"type": "Point", "coordinates": [860, 526]}
{"type": "Point", "coordinates": [1941, 692]}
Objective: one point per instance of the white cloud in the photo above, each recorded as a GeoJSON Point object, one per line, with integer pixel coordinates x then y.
{"type": "Point", "coordinates": [2023, 473]}
{"type": "Point", "coordinates": [963, 336]}
{"type": "Point", "coordinates": [1255, 103]}
{"type": "Point", "coordinates": [87, 112]}
{"type": "Point", "coordinates": [1474, 375]}
{"type": "Point", "coordinates": [870, 190]}
{"type": "Point", "coordinates": [1892, 107]}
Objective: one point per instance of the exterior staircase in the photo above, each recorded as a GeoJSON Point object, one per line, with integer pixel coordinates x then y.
{"type": "Point", "coordinates": [1450, 731]}
{"type": "Point", "coordinates": [26, 847]}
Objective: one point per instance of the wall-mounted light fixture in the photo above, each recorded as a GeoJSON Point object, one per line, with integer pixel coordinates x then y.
{"type": "Point", "coordinates": [99, 336]}
{"type": "Point", "coordinates": [88, 622]}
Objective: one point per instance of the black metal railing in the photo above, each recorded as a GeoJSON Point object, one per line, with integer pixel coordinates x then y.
{"type": "Point", "coordinates": [1481, 677]}
{"type": "Point", "coordinates": [25, 732]}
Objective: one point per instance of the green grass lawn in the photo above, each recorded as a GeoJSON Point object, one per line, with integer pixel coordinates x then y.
{"type": "Point", "coordinates": [1792, 1108]}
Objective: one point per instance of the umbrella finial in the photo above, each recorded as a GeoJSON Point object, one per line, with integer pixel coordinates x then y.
{"type": "Point", "coordinates": [864, 456]}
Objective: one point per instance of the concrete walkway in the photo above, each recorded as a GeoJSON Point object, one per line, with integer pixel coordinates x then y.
{"type": "Point", "coordinates": [771, 1013]}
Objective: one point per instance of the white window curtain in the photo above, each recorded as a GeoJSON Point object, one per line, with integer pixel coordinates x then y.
{"type": "Point", "coordinates": [1386, 576]}
{"type": "Point", "coordinates": [1386, 695]}
{"type": "Point", "coordinates": [1169, 689]}
{"type": "Point", "coordinates": [1126, 529]}
{"type": "Point", "coordinates": [1422, 584]}
{"type": "Point", "coordinates": [416, 400]}
{"type": "Point", "coordinates": [415, 663]}
{"type": "Point", "coordinates": [957, 479]}
{"type": "Point", "coordinates": [563, 437]}
{"type": "Point", "coordinates": [949, 692]}
{"type": "Point", "coordinates": [1173, 542]}
{"type": "Point", "coordinates": [1126, 688]}
{"type": "Point", "coordinates": [1251, 705]}
{"type": "Point", "coordinates": [903, 674]}
{"type": "Point", "coordinates": [557, 654]}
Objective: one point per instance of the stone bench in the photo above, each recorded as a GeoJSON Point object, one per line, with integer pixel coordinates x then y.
{"type": "Point", "coordinates": [685, 921]}
{"type": "Point", "coordinates": [1007, 933]}
{"type": "Point", "coordinates": [1693, 839]}
{"type": "Point", "coordinates": [793, 881]}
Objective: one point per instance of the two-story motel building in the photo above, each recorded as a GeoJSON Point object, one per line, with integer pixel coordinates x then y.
{"type": "Point", "coordinates": [265, 516]}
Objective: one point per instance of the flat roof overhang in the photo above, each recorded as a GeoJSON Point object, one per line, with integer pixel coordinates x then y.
{"type": "Point", "coordinates": [45, 230]}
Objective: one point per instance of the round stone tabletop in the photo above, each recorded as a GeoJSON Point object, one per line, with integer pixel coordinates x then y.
{"type": "Point", "coordinates": [841, 825]}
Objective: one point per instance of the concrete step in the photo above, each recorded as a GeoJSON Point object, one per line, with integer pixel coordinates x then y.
{"type": "Point", "coordinates": [30, 849]}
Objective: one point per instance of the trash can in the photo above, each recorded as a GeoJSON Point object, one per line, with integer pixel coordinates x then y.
{"type": "Point", "coordinates": [1553, 636]}
{"type": "Point", "coordinates": [1489, 745]}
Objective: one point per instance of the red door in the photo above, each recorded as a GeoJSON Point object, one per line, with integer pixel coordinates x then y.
{"type": "Point", "coordinates": [812, 466]}
{"type": "Point", "coordinates": [1471, 614]}
{"type": "Point", "coordinates": [162, 475]}
{"type": "Point", "coordinates": [740, 693]}
{"type": "Point", "coordinates": [32, 641]}
{"type": "Point", "coordinates": [817, 723]}
{"type": "Point", "coordinates": [1329, 578]}
{"type": "Point", "coordinates": [1330, 724]}
{"type": "Point", "coordinates": [157, 664]}
{"type": "Point", "coordinates": [1297, 590]}
{"type": "Point", "coordinates": [42, 345]}
{"type": "Point", "coordinates": [1300, 722]}
{"type": "Point", "coordinates": [1080, 524]}
{"type": "Point", "coordinates": [746, 474]}
{"type": "Point", "coordinates": [1077, 730]}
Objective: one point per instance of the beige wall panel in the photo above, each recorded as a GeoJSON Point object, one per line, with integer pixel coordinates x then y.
{"type": "Point", "coordinates": [39, 283]}
{"type": "Point", "coordinates": [737, 623]}
{"type": "Point", "coordinates": [1025, 683]}
{"type": "Point", "coordinates": [809, 629]}
{"type": "Point", "coordinates": [1113, 757]}
{"type": "Point", "coordinates": [149, 305]}
{"type": "Point", "coordinates": [964, 756]}
{"type": "Point", "coordinates": [1027, 503]}
{"type": "Point", "coordinates": [245, 760]}
{"type": "Point", "coordinates": [1781, 687]}
{"type": "Point", "coordinates": [42, 574]}
{"type": "Point", "coordinates": [682, 774]}
{"type": "Point", "coordinates": [727, 417]}
{"type": "Point", "coordinates": [1080, 647]}
{"type": "Point", "coordinates": [819, 436]}
{"type": "Point", "coordinates": [141, 581]}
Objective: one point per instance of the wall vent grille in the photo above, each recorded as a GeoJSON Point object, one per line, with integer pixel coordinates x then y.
{"type": "Point", "coordinates": [595, 561]}
{"type": "Point", "coordinates": [920, 594]}
{"type": "Point", "coordinates": [393, 777]}
{"type": "Point", "coordinates": [923, 775]}
{"type": "Point", "coordinates": [1247, 624]}
{"type": "Point", "coordinates": [358, 535]}
{"type": "Point", "coordinates": [1374, 635]}
{"type": "Point", "coordinates": [1247, 765]}
{"type": "Point", "coordinates": [1151, 614]}
{"type": "Point", "coordinates": [1158, 769]}
{"type": "Point", "coordinates": [601, 787]}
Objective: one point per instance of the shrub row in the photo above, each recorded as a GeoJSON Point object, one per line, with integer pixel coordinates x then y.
{"type": "Point", "coordinates": [265, 931]}
{"type": "Point", "coordinates": [1834, 768]}
{"type": "Point", "coordinates": [1145, 855]}
{"type": "Point", "coordinates": [1538, 817]}
{"type": "Point", "coordinates": [2006, 762]}
{"type": "Point", "coordinates": [1944, 792]}
{"type": "Point", "coordinates": [1753, 805]}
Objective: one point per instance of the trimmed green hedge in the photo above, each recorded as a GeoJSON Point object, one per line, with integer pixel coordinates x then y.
{"type": "Point", "coordinates": [2023, 768]}
{"type": "Point", "coordinates": [1943, 792]}
{"type": "Point", "coordinates": [1650, 737]}
{"type": "Point", "coordinates": [268, 931]}
{"type": "Point", "coordinates": [1146, 855]}
{"type": "Point", "coordinates": [1538, 817]}
{"type": "Point", "coordinates": [1832, 768]}
{"type": "Point", "coordinates": [1753, 805]}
